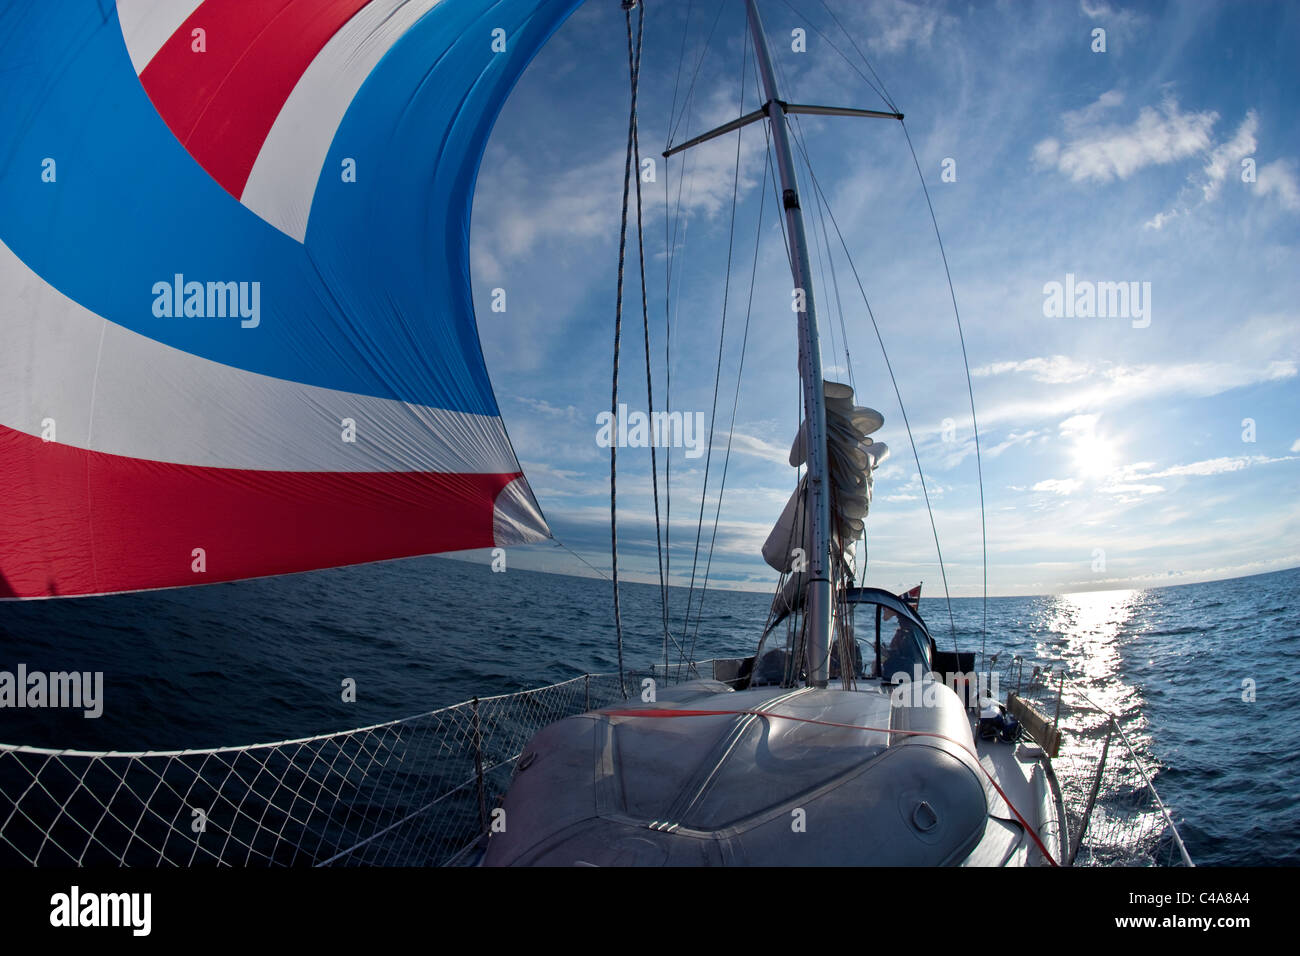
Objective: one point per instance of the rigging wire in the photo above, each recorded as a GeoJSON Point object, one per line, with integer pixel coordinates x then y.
{"type": "Point", "coordinates": [821, 278]}
{"type": "Point", "coordinates": [823, 211]}
{"type": "Point", "coordinates": [669, 239]}
{"type": "Point", "coordinates": [677, 81]}
{"type": "Point", "coordinates": [664, 549]}
{"type": "Point", "coordinates": [565, 547]}
{"type": "Point", "coordinates": [970, 390]}
{"type": "Point", "coordinates": [670, 306]}
{"type": "Point", "coordinates": [717, 376]}
{"type": "Point", "coordinates": [735, 405]}
{"type": "Point", "coordinates": [634, 159]}
{"type": "Point", "coordinates": [672, 310]}
{"type": "Point", "coordinates": [690, 90]}
{"type": "Point", "coordinates": [633, 58]}
{"type": "Point", "coordinates": [680, 713]}
{"type": "Point", "coordinates": [795, 619]}
{"type": "Point", "coordinates": [880, 89]}
{"type": "Point", "coordinates": [825, 242]}
{"type": "Point", "coordinates": [835, 286]}
{"type": "Point", "coordinates": [884, 94]}
{"type": "Point", "coordinates": [797, 135]}
{"type": "Point", "coordinates": [645, 323]}
{"type": "Point", "coordinates": [671, 244]}
{"type": "Point", "coordinates": [952, 622]}
{"type": "Point", "coordinates": [796, 130]}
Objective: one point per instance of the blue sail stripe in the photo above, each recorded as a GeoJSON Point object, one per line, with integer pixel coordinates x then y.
{"type": "Point", "coordinates": [376, 301]}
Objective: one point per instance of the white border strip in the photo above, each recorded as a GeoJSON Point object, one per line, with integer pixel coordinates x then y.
{"type": "Point", "coordinates": [147, 24]}
{"type": "Point", "coordinates": [142, 399]}
{"type": "Point", "coordinates": [282, 184]}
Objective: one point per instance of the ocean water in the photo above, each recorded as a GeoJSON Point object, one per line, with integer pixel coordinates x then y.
{"type": "Point", "coordinates": [265, 660]}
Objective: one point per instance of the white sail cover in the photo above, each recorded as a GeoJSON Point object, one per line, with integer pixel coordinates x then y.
{"type": "Point", "coordinates": [237, 334]}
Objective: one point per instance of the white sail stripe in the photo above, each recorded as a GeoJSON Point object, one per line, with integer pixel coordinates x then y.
{"type": "Point", "coordinates": [283, 181]}
{"type": "Point", "coordinates": [155, 402]}
{"type": "Point", "coordinates": [516, 518]}
{"type": "Point", "coordinates": [146, 25]}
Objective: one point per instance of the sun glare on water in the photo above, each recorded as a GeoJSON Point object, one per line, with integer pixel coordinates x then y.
{"type": "Point", "coordinates": [1091, 624]}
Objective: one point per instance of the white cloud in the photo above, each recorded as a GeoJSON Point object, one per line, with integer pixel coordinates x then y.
{"type": "Point", "coordinates": [1056, 369]}
{"type": "Point", "coordinates": [566, 412]}
{"type": "Point", "coordinates": [1212, 466]}
{"type": "Point", "coordinates": [1111, 17]}
{"type": "Point", "coordinates": [1186, 575]}
{"type": "Point", "coordinates": [912, 490]}
{"type": "Point", "coordinates": [1226, 157]}
{"type": "Point", "coordinates": [1279, 178]}
{"type": "Point", "coordinates": [1192, 351]}
{"type": "Point", "coordinates": [1047, 152]}
{"type": "Point", "coordinates": [1059, 486]}
{"type": "Point", "coordinates": [1078, 426]}
{"type": "Point", "coordinates": [1159, 219]}
{"type": "Point", "coordinates": [1223, 162]}
{"type": "Point", "coordinates": [756, 447]}
{"type": "Point", "coordinates": [582, 201]}
{"type": "Point", "coordinates": [1013, 439]}
{"type": "Point", "coordinates": [897, 23]}
{"type": "Point", "coordinates": [1126, 490]}
{"type": "Point", "coordinates": [1100, 152]}
{"type": "Point", "coordinates": [1120, 25]}
{"type": "Point", "coordinates": [550, 482]}
{"type": "Point", "coordinates": [1110, 386]}
{"type": "Point", "coordinates": [1082, 119]}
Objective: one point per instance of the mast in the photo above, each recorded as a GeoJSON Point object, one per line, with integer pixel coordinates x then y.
{"type": "Point", "coordinates": [818, 605]}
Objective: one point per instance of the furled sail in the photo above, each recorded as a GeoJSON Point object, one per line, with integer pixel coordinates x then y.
{"type": "Point", "coordinates": [853, 457]}
{"type": "Point", "coordinates": [237, 334]}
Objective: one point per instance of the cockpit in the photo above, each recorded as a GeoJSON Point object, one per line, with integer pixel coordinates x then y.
{"type": "Point", "coordinates": [883, 636]}
{"type": "Point", "coordinates": [903, 646]}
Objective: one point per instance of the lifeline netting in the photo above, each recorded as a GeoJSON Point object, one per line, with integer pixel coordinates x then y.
{"type": "Point", "coordinates": [1115, 816]}
{"type": "Point", "coordinates": [412, 792]}
{"type": "Point", "coordinates": [420, 791]}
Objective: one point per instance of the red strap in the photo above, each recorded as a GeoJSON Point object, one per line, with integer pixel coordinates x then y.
{"type": "Point", "coordinates": [829, 723]}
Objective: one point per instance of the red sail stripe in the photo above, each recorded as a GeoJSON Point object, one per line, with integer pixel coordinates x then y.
{"type": "Point", "coordinates": [221, 103]}
{"type": "Point", "coordinates": [74, 521]}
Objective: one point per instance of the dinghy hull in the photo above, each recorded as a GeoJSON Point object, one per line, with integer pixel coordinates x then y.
{"type": "Point", "coordinates": [763, 777]}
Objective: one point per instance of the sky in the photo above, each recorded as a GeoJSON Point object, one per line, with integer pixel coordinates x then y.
{"type": "Point", "coordinates": [1122, 444]}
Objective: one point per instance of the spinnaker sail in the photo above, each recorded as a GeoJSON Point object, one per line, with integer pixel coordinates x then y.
{"type": "Point", "coordinates": [237, 334]}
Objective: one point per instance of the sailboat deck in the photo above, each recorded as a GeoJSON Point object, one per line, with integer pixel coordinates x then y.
{"type": "Point", "coordinates": [1022, 774]}
{"type": "Point", "coordinates": [1020, 770]}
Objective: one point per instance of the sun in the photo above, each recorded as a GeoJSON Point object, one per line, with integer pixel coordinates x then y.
{"type": "Point", "coordinates": [1094, 456]}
